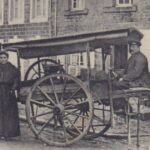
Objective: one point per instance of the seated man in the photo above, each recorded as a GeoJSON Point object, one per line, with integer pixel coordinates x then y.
{"type": "Point", "coordinates": [136, 73]}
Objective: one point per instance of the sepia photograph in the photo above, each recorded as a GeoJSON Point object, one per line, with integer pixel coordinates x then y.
{"type": "Point", "coordinates": [75, 74]}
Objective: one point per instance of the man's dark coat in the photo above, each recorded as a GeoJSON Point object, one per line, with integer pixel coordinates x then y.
{"type": "Point", "coordinates": [9, 120]}
{"type": "Point", "coordinates": [136, 73]}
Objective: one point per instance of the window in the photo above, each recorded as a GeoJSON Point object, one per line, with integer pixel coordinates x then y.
{"type": "Point", "coordinates": [124, 3]}
{"type": "Point", "coordinates": [1, 11]}
{"type": "Point", "coordinates": [77, 4]}
{"type": "Point", "coordinates": [39, 10]}
{"type": "Point", "coordinates": [16, 11]}
{"type": "Point", "coordinates": [75, 59]}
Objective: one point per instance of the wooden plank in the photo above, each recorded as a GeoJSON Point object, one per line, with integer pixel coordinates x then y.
{"type": "Point", "coordinates": [69, 90]}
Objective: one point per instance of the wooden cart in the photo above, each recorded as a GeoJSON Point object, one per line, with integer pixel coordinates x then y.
{"type": "Point", "coordinates": [62, 109]}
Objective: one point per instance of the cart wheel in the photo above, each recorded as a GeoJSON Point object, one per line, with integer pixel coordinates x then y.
{"type": "Point", "coordinates": [100, 121]}
{"type": "Point", "coordinates": [37, 70]}
{"type": "Point", "coordinates": [59, 109]}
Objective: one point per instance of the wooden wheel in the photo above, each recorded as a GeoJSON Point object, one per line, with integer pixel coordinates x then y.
{"type": "Point", "coordinates": [100, 121]}
{"type": "Point", "coordinates": [41, 68]}
{"type": "Point", "coordinates": [59, 109]}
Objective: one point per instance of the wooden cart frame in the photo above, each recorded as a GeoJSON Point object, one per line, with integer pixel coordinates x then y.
{"type": "Point", "coordinates": [62, 109]}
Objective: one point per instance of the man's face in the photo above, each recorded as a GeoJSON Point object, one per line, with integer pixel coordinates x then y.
{"type": "Point", "coordinates": [3, 59]}
{"type": "Point", "coordinates": [133, 48]}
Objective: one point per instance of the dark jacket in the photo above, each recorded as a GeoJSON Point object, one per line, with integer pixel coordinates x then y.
{"type": "Point", "coordinates": [136, 73]}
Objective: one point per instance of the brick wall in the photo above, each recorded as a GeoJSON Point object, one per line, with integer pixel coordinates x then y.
{"type": "Point", "coordinates": [103, 15]}
{"type": "Point", "coordinates": [24, 31]}
{"type": "Point", "coordinates": [99, 15]}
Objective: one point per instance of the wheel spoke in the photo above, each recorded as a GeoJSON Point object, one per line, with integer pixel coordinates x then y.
{"type": "Point", "coordinates": [73, 124]}
{"type": "Point", "coordinates": [97, 108]}
{"type": "Point", "coordinates": [87, 114]}
{"type": "Point", "coordinates": [64, 128]}
{"type": "Point", "coordinates": [35, 71]}
{"type": "Point", "coordinates": [100, 125]}
{"type": "Point", "coordinates": [42, 114]}
{"type": "Point", "coordinates": [70, 98]}
{"type": "Point", "coordinates": [56, 96]}
{"type": "Point", "coordinates": [55, 121]}
{"type": "Point", "coordinates": [107, 110]}
{"type": "Point", "coordinates": [34, 75]}
{"type": "Point", "coordinates": [41, 104]}
{"type": "Point", "coordinates": [75, 105]}
{"type": "Point", "coordinates": [64, 88]}
{"type": "Point", "coordinates": [71, 113]}
{"type": "Point", "coordinates": [39, 69]}
{"type": "Point", "coordinates": [93, 128]}
{"type": "Point", "coordinates": [76, 119]}
{"type": "Point", "coordinates": [45, 124]}
{"type": "Point", "coordinates": [83, 123]}
{"type": "Point", "coordinates": [97, 118]}
{"type": "Point", "coordinates": [46, 95]}
{"type": "Point", "coordinates": [71, 107]}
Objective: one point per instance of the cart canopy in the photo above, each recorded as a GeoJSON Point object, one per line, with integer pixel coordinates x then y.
{"type": "Point", "coordinates": [72, 43]}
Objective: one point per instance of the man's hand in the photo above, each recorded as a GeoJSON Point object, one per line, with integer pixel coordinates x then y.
{"type": "Point", "coordinates": [121, 79]}
{"type": "Point", "coordinates": [114, 74]}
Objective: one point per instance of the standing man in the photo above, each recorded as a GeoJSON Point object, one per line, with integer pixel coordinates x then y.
{"type": "Point", "coordinates": [9, 119]}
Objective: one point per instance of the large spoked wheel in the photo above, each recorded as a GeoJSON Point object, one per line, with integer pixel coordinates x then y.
{"type": "Point", "coordinates": [100, 121]}
{"type": "Point", "coordinates": [59, 109]}
{"type": "Point", "coordinates": [40, 68]}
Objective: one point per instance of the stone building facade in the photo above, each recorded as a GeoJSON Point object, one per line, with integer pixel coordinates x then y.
{"type": "Point", "coordinates": [47, 18]}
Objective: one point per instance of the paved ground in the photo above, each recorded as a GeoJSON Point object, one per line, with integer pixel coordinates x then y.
{"type": "Point", "coordinates": [28, 142]}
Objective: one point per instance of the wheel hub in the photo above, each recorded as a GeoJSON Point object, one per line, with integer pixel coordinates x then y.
{"type": "Point", "coordinates": [58, 109]}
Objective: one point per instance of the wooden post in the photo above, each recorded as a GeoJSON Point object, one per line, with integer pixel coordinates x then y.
{"type": "Point", "coordinates": [39, 69]}
{"type": "Point", "coordinates": [138, 121]}
{"type": "Point", "coordinates": [103, 113]}
{"type": "Point", "coordinates": [103, 59]}
{"type": "Point", "coordinates": [88, 62]}
{"type": "Point", "coordinates": [19, 68]}
{"type": "Point", "coordinates": [110, 86]}
{"type": "Point", "coordinates": [111, 101]}
{"type": "Point", "coordinates": [128, 120]}
{"type": "Point", "coordinates": [112, 56]}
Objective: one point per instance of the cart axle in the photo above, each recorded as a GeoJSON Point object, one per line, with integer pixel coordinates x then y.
{"type": "Point", "coordinates": [58, 109]}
